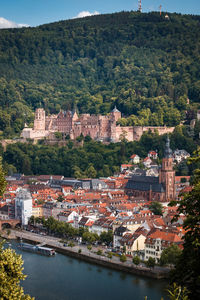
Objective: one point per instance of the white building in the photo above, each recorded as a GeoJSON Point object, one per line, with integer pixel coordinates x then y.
{"type": "Point", "coordinates": [135, 159]}
{"type": "Point", "coordinates": [23, 206]}
{"type": "Point", "coordinates": [158, 241]}
{"type": "Point", "coordinates": [67, 216]}
{"type": "Point", "coordinates": [153, 154]}
{"type": "Point", "coordinates": [180, 155]}
{"type": "Point", "coordinates": [118, 235]}
{"type": "Point", "coordinates": [147, 161]}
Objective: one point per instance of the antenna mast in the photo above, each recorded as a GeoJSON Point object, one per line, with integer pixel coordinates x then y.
{"type": "Point", "coordinates": [140, 5]}
{"type": "Point", "coordinates": [160, 7]}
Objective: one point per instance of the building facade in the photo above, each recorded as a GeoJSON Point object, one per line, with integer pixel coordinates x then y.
{"type": "Point", "coordinates": [98, 127]}
{"type": "Point", "coordinates": [23, 206]}
{"type": "Point", "coordinates": [161, 188]}
{"type": "Point", "coordinates": [159, 240]}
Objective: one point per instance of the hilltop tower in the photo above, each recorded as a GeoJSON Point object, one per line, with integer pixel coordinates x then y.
{"type": "Point", "coordinates": [74, 114]}
{"type": "Point", "coordinates": [116, 114]}
{"type": "Point", "coordinates": [39, 122]}
{"type": "Point", "coordinates": [167, 174]}
{"type": "Point", "coordinates": [160, 7]}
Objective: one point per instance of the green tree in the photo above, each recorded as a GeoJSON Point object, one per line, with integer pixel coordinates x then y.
{"type": "Point", "coordinates": [123, 258]}
{"type": "Point", "coordinates": [136, 260]}
{"type": "Point", "coordinates": [187, 270]}
{"type": "Point", "coordinates": [31, 220]}
{"type": "Point", "coordinates": [77, 172]}
{"type": "Point", "coordinates": [150, 263]}
{"type": "Point", "coordinates": [11, 267]}
{"type": "Point", "coordinates": [91, 172]}
{"type": "Point", "coordinates": [58, 135]}
{"type": "Point", "coordinates": [89, 247]}
{"type": "Point", "coordinates": [106, 237]}
{"type": "Point", "coordinates": [89, 237]}
{"type": "Point", "coordinates": [156, 208]}
{"type": "Point", "coordinates": [99, 252]}
{"type": "Point", "coordinates": [170, 255]}
{"type": "Point", "coordinates": [3, 182]}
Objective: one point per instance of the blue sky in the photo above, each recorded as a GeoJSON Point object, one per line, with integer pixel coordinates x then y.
{"type": "Point", "coordinates": [37, 12]}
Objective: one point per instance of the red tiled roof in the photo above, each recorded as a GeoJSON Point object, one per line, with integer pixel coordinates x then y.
{"type": "Point", "coordinates": [133, 155]}
{"type": "Point", "coordinates": [165, 236]}
{"type": "Point", "coordinates": [146, 159]}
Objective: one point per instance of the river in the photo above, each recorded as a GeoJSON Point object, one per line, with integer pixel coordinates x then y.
{"type": "Point", "coordinates": [64, 278]}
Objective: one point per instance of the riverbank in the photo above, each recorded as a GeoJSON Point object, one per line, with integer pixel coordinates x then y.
{"type": "Point", "coordinates": [81, 252]}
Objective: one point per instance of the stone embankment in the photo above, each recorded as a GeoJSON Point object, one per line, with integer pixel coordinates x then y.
{"type": "Point", "coordinates": [91, 256]}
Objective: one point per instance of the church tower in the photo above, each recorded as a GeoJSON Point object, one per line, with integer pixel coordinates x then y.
{"type": "Point", "coordinates": [39, 122]}
{"type": "Point", "coordinates": [167, 174]}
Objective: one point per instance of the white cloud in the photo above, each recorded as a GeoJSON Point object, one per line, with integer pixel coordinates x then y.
{"type": "Point", "coordinates": [9, 24]}
{"type": "Point", "coordinates": [83, 14]}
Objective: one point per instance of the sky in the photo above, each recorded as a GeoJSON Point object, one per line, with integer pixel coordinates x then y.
{"type": "Point", "coordinates": [18, 13]}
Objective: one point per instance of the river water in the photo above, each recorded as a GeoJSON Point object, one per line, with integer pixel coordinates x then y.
{"type": "Point", "coordinates": [64, 278]}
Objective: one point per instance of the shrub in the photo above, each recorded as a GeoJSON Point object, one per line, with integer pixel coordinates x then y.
{"type": "Point", "coordinates": [123, 258]}
{"type": "Point", "coordinates": [89, 247]}
{"type": "Point", "coordinates": [99, 252]}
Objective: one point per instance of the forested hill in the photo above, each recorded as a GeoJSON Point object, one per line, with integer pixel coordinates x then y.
{"type": "Point", "coordinates": [145, 64]}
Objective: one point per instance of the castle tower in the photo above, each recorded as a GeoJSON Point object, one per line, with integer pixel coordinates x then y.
{"type": "Point", "coordinates": [167, 174]}
{"type": "Point", "coordinates": [116, 114]}
{"type": "Point", "coordinates": [74, 115]}
{"type": "Point", "coordinates": [112, 131]}
{"type": "Point", "coordinates": [39, 122]}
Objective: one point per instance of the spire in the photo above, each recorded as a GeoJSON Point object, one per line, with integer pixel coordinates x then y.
{"type": "Point", "coordinates": [168, 150]}
{"type": "Point", "coordinates": [75, 109]}
{"type": "Point", "coordinates": [115, 109]}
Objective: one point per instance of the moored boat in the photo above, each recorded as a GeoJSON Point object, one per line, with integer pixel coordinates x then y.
{"type": "Point", "coordinates": [37, 249]}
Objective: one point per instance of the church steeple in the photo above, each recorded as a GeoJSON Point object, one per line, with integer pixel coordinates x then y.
{"type": "Point", "coordinates": [167, 174]}
{"type": "Point", "coordinates": [168, 150]}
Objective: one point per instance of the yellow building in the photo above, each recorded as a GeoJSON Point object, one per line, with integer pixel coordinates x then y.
{"type": "Point", "coordinates": [37, 211]}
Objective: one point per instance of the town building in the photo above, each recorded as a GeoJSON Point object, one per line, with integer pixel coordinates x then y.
{"type": "Point", "coordinates": [180, 155]}
{"type": "Point", "coordinates": [23, 206]}
{"type": "Point", "coordinates": [159, 240]}
{"type": "Point", "coordinates": [135, 159]}
{"type": "Point", "coordinates": [99, 127]}
{"type": "Point", "coordinates": [153, 154]}
{"type": "Point", "coordinates": [134, 242]}
{"type": "Point", "coordinates": [37, 211]}
{"type": "Point", "coordinates": [161, 188]}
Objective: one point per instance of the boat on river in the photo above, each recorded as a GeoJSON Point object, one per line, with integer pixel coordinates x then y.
{"type": "Point", "coordinates": [37, 249]}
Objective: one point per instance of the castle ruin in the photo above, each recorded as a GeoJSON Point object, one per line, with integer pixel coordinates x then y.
{"type": "Point", "coordinates": [98, 127]}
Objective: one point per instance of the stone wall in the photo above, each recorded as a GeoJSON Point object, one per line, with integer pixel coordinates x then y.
{"type": "Point", "coordinates": [98, 127]}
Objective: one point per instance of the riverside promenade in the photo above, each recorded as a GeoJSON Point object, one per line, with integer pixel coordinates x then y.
{"type": "Point", "coordinates": [91, 255]}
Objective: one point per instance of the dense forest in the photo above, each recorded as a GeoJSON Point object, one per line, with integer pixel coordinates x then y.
{"type": "Point", "coordinates": [145, 64]}
{"type": "Point", "coordinates": [90, 158]}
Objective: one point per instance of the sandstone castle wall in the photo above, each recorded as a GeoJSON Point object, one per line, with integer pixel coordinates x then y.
{"type": "Point", "coordinates": [98, 127]}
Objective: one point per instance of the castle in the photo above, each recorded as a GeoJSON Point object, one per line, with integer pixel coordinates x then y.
{"type": "Point", "coordinates": [98, 127]}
